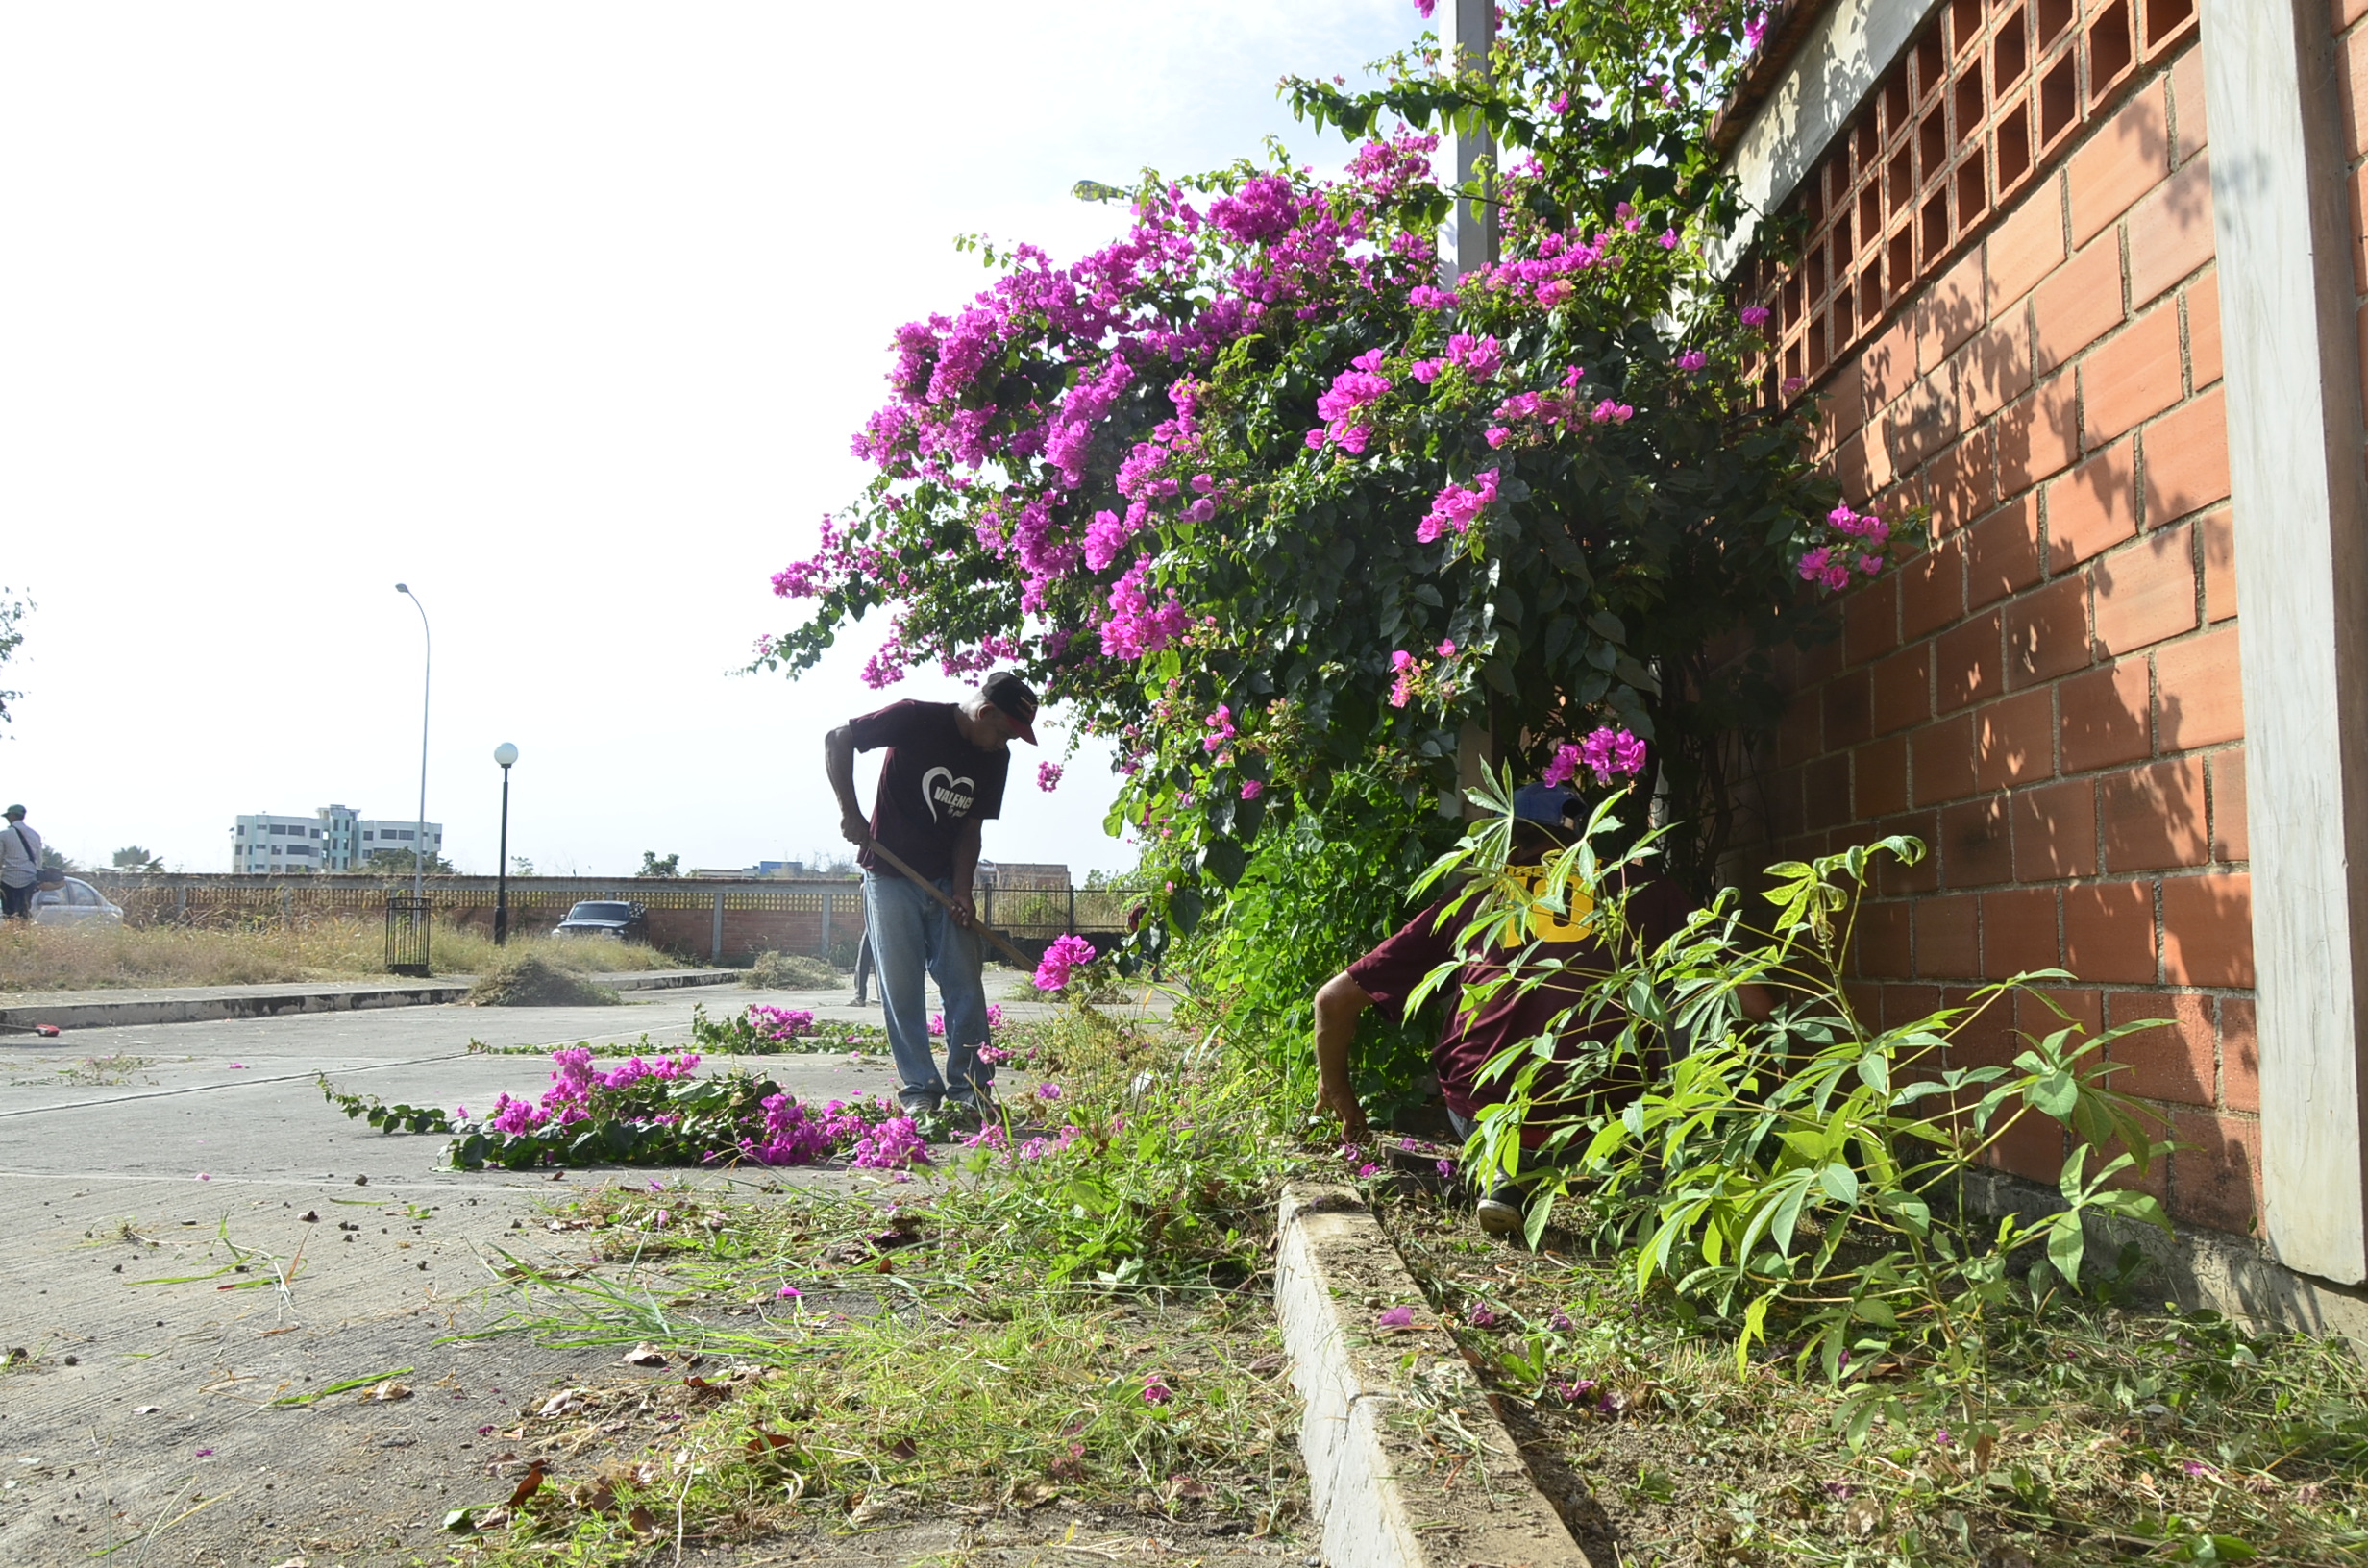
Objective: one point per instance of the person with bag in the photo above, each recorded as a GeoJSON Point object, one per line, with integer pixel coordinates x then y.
{"type": "Point", "coordinates": [20, 866]}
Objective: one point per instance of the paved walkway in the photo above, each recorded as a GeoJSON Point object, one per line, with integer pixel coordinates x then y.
{"type": "Point", "coordinates": [141, 1160]}
{"type": "Point", "coordinates": [109, 1008]}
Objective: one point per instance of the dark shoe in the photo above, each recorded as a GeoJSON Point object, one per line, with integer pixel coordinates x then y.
{"type": "Point", "coordinates": [915, 1103]}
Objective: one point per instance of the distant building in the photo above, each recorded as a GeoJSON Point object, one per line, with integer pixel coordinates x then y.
{"type": "Point", "coordinates": [332, 839]}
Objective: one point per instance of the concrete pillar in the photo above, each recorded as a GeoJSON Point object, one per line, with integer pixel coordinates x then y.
{"type": "Point", "coordinates": [2296, 465]}
{"type": "Point", "coordinates": [715, 952]}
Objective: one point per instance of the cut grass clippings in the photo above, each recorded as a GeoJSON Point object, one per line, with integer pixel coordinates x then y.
{"type": "Point", "coordinates": [2108, 1434]}
{"type": "Point", "coordinates": [1007, 1337]}
{"type": "Point", "coordinates": [533, 980]}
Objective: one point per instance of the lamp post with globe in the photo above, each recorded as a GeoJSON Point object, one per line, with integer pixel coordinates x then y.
{"type": "Point", "coordinates": [504, 754]}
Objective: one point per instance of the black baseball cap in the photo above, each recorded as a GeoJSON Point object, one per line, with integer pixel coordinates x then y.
{"type": "Point", "coordinates": [1009, 693]}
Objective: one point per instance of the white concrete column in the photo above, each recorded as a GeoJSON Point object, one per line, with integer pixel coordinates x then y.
{"type": "Point", "coordinates": [2295, 460]}
{"type": "Point", "coordinates": [1475, 222]}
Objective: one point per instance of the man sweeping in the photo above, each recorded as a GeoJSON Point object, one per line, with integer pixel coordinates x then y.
{"type": "Point", "coordinates": [942, 778]}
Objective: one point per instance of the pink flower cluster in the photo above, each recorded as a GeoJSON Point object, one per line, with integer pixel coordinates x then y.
{"type": "Point", "coordinates": [1219, 725]}
{"type": "Point", "coordinates": [1353, 389]}
{"type": "Point", "coordinates": [781, 1022]}
{"type": "Point", "coordinates": [1048, 776]}
{"type": "Point", "coordinates": [877, 1141]}
{"type": "Point", "coordinates": [1608, 754]}
{"type": "Point", "coordinates": [1457, 508]}
{"type": "Point", "coordinates": [1482, 356]}
{"type": "Point", "coordinates": [1066, 953]}
{"type": "Point", "coordinates": [1830, 566]}
{"type": "Point", "coordinates": [569, 1098]}
{"type": "Point", "coordinates": [1137, 626]}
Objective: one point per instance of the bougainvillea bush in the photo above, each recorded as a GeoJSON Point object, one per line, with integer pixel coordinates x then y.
{"type": "Point", "coordinates": [654, 1112]}
{"type": "Point", "coordinates": [1262, 497]}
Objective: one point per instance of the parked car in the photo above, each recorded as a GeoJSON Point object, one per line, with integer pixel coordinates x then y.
{"type": "Point", "coordinates": [598, 917]}
{"type": "Point", "coordinates": [72, 902]}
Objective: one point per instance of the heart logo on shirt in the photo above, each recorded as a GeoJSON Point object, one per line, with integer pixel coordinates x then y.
{"type": "Point", "coordinates": [939, 784]}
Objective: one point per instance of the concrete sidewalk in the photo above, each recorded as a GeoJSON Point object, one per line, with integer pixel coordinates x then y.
{"type": "Point", "coordinates": [138, 1158]}
{"type": "Point", "coordinates": [204, 1004]}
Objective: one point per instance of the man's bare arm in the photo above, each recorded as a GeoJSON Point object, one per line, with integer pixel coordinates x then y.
{"type": "Point", "coordinates": [839, 767]}
{"type": "Point", "coordinates": [1338, 1004]}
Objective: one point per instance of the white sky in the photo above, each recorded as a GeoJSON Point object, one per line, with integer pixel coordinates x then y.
{"type": "Point", "coordinates": [562, 314]}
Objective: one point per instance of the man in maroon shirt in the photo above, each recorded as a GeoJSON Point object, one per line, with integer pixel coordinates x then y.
{"type": "Point", "coordinates": [1514, 1015]}
{"type": "Point", "coordinates": [943, 778]}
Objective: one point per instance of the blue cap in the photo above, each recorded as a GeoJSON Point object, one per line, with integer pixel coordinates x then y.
{"type": "Point", "coordinates": [1549, 804]}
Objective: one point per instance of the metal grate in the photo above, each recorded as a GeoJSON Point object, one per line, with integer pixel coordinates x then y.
{"type": "Point", "coordinates": [407, 934]}
{"type": "Point", "coordinates": [1987, 95]}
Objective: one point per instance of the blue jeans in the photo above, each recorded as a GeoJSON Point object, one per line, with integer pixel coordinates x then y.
{"type": "Point", "coordinates": [910, 933]}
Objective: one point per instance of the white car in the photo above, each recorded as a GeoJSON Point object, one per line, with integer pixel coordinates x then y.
{"type": "Point", "coordinates": [74, 903]}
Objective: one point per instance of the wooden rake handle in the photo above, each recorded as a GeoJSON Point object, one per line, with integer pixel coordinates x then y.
{"type": "Point", "coordinates": [933, 891]}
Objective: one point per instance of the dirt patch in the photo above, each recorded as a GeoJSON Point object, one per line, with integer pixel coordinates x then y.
{"type": "Point", "coordinates": [534, 981]}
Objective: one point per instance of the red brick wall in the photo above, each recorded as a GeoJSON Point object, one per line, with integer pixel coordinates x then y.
{"type": "Point", "coordinates": [2049, 697]}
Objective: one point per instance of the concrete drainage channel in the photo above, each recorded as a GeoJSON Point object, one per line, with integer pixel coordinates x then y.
{"type": "Point", "coordinates": [205, 1004]}
{"type": "Point", "coordinates": [1408, 1464]}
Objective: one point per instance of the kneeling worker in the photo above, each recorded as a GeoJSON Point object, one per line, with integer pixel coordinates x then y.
{"type": "Point", "coordinates": [1544, 822]}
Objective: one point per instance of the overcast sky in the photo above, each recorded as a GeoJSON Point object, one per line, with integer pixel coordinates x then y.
{"type": "Point", "coordinates": [561, 313]}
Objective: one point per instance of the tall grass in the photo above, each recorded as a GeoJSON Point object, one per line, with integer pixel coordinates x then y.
{"type": "Point", "coordinates": [38, 958]}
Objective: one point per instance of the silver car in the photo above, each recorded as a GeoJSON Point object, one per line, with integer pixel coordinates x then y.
{"type": "Point", "coordinates": [74, 903]}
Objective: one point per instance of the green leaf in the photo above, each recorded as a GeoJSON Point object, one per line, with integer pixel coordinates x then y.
{"type": "Point", "coordinates": [2055, 1095]}
{"type": "Point", "coordinates": [2066, 1240]}
{"type": "Point", "coordinates": [1840, 1182]}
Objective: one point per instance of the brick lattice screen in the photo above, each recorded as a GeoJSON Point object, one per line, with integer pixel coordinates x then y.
{"type": "Point", "coordinates": [1990, 94]}
{"type": "Point", "coordinates": [2049, 697]}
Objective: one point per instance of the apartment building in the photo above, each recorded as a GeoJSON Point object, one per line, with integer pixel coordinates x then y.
{"type": "Point", "coordinates": [335, 838]}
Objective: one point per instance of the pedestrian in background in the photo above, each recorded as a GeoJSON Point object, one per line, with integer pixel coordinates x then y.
{"type": "Point", "coordinates": [20, 866]}
{"type": "Point", "coordinates": [863, 966]}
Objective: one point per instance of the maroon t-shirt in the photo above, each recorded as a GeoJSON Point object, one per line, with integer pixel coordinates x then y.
{"type": "Point", "coordinates": [1656, 911]}
{"type": "Point", "coordinates": [932, 782]}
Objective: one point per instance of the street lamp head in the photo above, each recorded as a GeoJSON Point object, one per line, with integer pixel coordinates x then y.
{"type": "Point", "coordinates": [403, 587]}
{"type": "Point", "coordinates": [505, 753]}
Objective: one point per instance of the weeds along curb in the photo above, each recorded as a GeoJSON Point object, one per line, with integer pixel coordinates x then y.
{"type": "Point", "coordinates": [1407, 1463]}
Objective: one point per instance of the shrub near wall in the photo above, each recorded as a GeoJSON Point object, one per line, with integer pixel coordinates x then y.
{"type": "Point", "coordinates": [2050, 696]}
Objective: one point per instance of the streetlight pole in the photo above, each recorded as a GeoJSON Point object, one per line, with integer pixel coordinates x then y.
{"type": "Point", "coordinates": [427, 670]}
{"type": "Point", "coordinates": [504, 754]}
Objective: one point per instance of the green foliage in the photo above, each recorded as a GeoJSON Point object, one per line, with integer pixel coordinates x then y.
{"type": "Point", "coordinates": [742, 1035]}
{"type": "Point", "coordinates": [1313, 896]}
{"type": "Point", "coordinates": [133, 858]}
{"type": "Point", "coordinates": [2126, 1431]}
{"type": "Point", "coordinates": [1560, 498]}
{"type": "Point", "coordinates": [1798, 1176]}
{"type": "Point", "coordinates": [385, 1118]}
{"type": "Point", "coordinates": [653, 865]}
{"type": "Point", "coordinates": [12, 613]}
{"type": "Point", "coordinates": [400, 861]}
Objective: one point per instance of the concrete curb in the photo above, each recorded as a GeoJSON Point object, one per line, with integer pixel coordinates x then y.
{"type": "Point", "coordinates": [206, 1004]}
{"type": "Point", "coordinates": [670, 979]}
{"type": "Point", "coordinates": [1407, 1461]}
